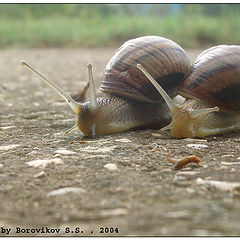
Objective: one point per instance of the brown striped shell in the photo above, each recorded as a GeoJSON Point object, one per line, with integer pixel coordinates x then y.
{"type": "Point", "coordinates": [165, 60]}
{"type": "Point", "coordinates": [214, 78]}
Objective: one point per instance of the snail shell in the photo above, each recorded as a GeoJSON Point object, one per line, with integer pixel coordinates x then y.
{"type": "Point", "coordinates": [214, 78]}
{"type": "Point", "coordinates": [164, 59]}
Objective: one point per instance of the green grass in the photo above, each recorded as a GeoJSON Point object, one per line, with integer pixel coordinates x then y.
{"type": "Point", "coordinates": [188, 31]}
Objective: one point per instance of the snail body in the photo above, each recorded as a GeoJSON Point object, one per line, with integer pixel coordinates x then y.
{"type": "Point", "coordinates": [212, 89]}
{"type": "Point", "coordinates": [130, 100]}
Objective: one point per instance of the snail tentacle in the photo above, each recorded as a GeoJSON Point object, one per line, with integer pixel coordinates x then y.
{"type": "Point", "coordinates": [72, 129]}
{"type": "Point", "coordinates": [75, 106]}
{"type": "Point", "coordinates": [93, 98]}
{"type": "Point", "coordinates": [171, 104]}
{"type": "Point", "coordinates": [196, 113]}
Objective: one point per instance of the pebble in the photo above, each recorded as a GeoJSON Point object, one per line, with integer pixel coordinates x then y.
{"type": "Point", "coordinates": [113, 212]}
{"type": "Point", "coordinates": [6, 127]}
{"type": "Point", "coordinates": [194, 140]}
{"type": "Point", "coordinates": [58, 104]}
{"type": "Point", "coordinates": [1, 165]}
{"type": "Point", "coordinates": [123, 140]}
{"type": "Point", "coordinates": [40, 174]}
{"type": "Point", "coordinates": [89, 156]}
{"type": "Point", "coordinates": [66, 190]}
{"type": "Point", "coordinates": [219, 185]}
{"type": "Point", "coordinates": [197, 146]}
{"type": "Point", "coordinates": [8, 147]}
{"type": "Point", "coordinates": [230, 163]}
{"type": "Point", "coordinates": [178, 214]}
{"type": "Point", "coordinates": [31, 153]}
{"type": "Point", "coordinates": [111, 166]}
{"type": "Point", "coordinates": [65, 152]}
{"type": "Point", "coordinates": [227, 155]}
{"type": "Point", "coordinates": [188, 173]}
{"type": "Point", "coordinates": [98, 149]}
{"type": "Point", "coordinates": [190, 190]}
{"type": "Point", "coordinates": [43, 163]}
{"type": "Point", "coordinates": [156, 134]}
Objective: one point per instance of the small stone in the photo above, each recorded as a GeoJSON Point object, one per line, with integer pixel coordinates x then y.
{"type": "Point", "coordinates": [123, 140]}
{"type": "Point", "coordinates": [8, 147]}
{"type": "Point", "coordinates": [197, 146]}
{"type": "Point", "coordinates": [188, 173]}
{"type": "Point", "coordinates": [31, 153]}
{"type": "Point", "coordinates": [58, 104]}
{"type": "Point", "coordinates": [219, 185]}
{"type": "Point", "coordinates": [194, 140]}
{"type": "Point", "coordinates": [178, 214]}
{"type": "Point", "coordinates": [57, 155]}
{"type": "Point", "coordinates": [65, 152]}
{"type": "Point", "coordinates": [31, 116]}
{"type": "Point", "coordinates": [92, 149]}
{"type": "Point", "coordinates": [1, 165]}
{"type": "Point", "coordinates": [230, 163]}
{"type": "Point", "coordinates": [156, 134]}
{"type": "Point", "coordinates": [114, 212]}
{"type": "Point", "coordinates": [66, 190]}
{"type": "Point", "coordinates": [36, 204]}
{"type": "Point", "coordinates": [190, 190]}
{"type": "Point", "coordinates": [40, 174]}
{"type": "Point", "coordinates": [7, 127]}
{"type": "Point", "coordinates": [227, 155]}
{"type": "Point", "coordinates": [111, 166]}
{"type": "Point", "coordinates": [43, 163]}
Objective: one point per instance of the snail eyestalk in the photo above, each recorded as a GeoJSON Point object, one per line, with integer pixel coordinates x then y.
{"type": "Point", "coordinates": [198, 112]}
{"type": "Point", "coordinates": [75, 106]}
{"type": "Point", "coordinates": [72, 129]}
{"type": "Point", "coordinates": [93, 98]}
{"type": "Point", "coordinates": [171, 104]}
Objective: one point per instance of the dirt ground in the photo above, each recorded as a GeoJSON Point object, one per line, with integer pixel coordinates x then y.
{"type": "Point", "coordinates": [112, 185]}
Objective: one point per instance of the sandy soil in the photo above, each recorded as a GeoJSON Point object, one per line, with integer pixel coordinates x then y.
{"type": "Point", "coordinates": [140, 194]}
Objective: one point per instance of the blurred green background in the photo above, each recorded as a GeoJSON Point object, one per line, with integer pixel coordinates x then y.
{"type": "Point", "coordinates": [98, 25]}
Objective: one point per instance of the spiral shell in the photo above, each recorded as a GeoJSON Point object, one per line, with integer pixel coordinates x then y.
{"type": "Point", "coordinates": [164, 59]}
{"type": "Point", "coordinates": [214, 78]}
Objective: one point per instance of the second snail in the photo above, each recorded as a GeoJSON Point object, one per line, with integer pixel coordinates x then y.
{"type": "Point", "coordinates": [211, 87]}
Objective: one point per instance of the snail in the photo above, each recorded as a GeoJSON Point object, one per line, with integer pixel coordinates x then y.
{"type": "Point", "coordinates": [130, 100]}
{"type": "Point", "coordinates": [212, 89]}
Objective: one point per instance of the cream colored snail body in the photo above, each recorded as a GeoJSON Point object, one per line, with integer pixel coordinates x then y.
{"type": "Point", "coordinates": [212, 89]}
{"type": "Point", "coordinates": [131, 101]}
